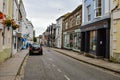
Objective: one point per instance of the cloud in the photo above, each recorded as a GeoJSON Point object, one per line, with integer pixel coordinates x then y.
{"type": "Point", "coordinates": [43, 12]}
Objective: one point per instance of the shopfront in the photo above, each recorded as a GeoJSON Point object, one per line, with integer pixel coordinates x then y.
{"type": "Point", "coordinates": [95, 38]}
{"type": "Point", "coordinates": [77, 40]}
{"type": "Point", "coordinates": [68, 40]}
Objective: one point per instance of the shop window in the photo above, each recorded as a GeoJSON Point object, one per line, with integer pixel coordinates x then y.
{"type": "Point", "coordinates": [93, 41]}
{"type": "Point", "coordinates": [76, 41]}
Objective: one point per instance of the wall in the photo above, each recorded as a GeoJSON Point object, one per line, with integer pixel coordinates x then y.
{"type": "Point", "coordinates": [1, 5]}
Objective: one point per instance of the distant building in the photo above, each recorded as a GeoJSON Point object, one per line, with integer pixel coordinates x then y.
{"type": "Point", "coordinates": [29, 30]}
{"type": "Point", "coordinates": [51, 32]}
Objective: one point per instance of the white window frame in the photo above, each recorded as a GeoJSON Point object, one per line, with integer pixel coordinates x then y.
{"type": "Point", "coordinates": [96, 9]}
{"type": "Point", "coordinates": [66, 25]}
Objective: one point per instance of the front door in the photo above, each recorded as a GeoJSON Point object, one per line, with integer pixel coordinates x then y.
{"type": "Point", "coordinates": [101, 43]}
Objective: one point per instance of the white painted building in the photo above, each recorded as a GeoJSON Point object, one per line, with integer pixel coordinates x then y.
{"type": "Point", "coordinates": [29, 30]}
{"type": "Point", "coordinates": [23, 23]}
{"type": "Point", "coordinates": [15, 17]}
{"type": "Point", "coordinates": [23, 20]}
{"type": "Point", "coordinates": [58, 36]}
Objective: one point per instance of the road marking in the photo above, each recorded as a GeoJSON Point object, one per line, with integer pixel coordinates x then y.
{"type": "Point", "coordinates": [67, 77]}
{"type": "Point", "coordinates": [50, 59]}
{"type": "Point", "coordinates": [59, 70]}
{"type": "Point", "coordinates": [53, 65]}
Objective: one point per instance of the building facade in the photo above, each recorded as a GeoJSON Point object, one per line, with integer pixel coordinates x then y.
{"type": "Point", "coordinates": [59, 27]}
{"type": "Point", "coordinates": [14, 32]}
{"type": "Point", "coordinates": [50, 34]}
{"type": "Point", "coordinates": [95, 29]}
{"type": "Point", "coordinates": [6, 7]}
{"type": "Point", "coordinates": [114, 34]}
{"type": "Point", "coordinates": [30, 28]}
{"type": "Point", "coordinates": [71, 30]}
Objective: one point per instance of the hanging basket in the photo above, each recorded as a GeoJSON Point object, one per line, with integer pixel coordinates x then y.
{"type": "Point", "coordinates": [15, 26]}
{"type": "Point", "coordinates": [7, 22]}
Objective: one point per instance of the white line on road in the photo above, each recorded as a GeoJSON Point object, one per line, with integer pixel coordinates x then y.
{"type": "Point", "coordinates": [50, 59]}
{"type": "Point", "coordinates": [53, 65]}
{"type": "Point", "coordinates": [67, 77]}
{"type": "Point", "coordinates": [59, 70]}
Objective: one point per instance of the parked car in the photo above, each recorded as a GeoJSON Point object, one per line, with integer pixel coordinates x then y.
{"type": "Point", "coordinates": [35, 48]}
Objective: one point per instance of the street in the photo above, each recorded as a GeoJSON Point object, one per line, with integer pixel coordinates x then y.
{"type": "Point", "coordinates": [54, 66]}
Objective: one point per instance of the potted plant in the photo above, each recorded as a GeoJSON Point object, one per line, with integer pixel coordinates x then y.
{"type": "Point", "coordinates": [7, 22]}
{"type": "Point", "coordinates": [15, 26]}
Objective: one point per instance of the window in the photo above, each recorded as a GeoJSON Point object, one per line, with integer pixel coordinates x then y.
{"type": "Point", "coordinates": [93, 41]}
{"type": "Point", "coordinates": [66, 25]}
{"type": "Point", "coordinates": [97, 6]}
{"type": "Point", "coordinates": [88, 13]}
{"type": "Point", "coordinates": [78, 20]}
{"type": "Point", "coordinates": [71, 21]}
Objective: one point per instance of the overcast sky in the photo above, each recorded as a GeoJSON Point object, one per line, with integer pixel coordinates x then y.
{"type": "Point", "coordinates": [42, 13]}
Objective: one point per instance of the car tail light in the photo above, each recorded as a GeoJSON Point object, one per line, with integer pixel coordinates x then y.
{"type": "Point", "coordinates": [40, 49]}
{"type": "Point", "coordinates": [30, 48]}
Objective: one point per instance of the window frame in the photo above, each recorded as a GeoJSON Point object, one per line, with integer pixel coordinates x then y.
{"type": "Point", "coordinates": [97, 8]}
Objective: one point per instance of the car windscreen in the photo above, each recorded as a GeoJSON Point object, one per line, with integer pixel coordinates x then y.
{"type": "Point", "coordinates": [36, 45]}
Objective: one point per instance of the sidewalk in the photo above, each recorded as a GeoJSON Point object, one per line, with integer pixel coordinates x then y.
{"type": "Point", "coordinates": [96, 62]}
{"type": "Point", "coordinates": [10, 68]}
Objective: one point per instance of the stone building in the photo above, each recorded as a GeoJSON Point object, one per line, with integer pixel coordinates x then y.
{"type": "Point", "coordinates": [115, 31]}
{"type": "Point", "coordinates": [71, 30]}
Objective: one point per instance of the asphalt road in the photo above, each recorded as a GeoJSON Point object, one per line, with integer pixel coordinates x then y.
{"type": "Point", "coordinates": [54, 66]}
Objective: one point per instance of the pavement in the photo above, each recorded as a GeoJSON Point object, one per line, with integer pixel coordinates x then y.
{"type": "Point", "coordinates": [114, 67]}
{"type": "Point", "coordinates": [10, 68]}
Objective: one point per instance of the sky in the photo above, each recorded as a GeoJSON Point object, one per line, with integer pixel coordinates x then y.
{"type": "Point", "coordinates": [43, 13]}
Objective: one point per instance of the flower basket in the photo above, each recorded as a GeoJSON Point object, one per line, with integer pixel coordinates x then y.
{"type": "Point", "coordinates": [15, 26]}
{"type": "Point", "coordinates": [10, 23]}
{"type": "Point", "coordinates": [7, 22]}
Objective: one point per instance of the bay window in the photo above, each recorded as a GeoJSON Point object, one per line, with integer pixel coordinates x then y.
{"type": "Point", "coordinates": [98, 7]}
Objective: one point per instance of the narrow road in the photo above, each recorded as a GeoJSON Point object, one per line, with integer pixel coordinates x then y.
{"type": "Point", "coordinates": [54, 66]}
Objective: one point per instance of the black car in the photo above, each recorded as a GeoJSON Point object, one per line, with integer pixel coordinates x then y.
{"type": "Point", "coordinates": [35, 49]}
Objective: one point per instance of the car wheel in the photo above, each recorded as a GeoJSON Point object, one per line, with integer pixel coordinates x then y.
{"type": "Point", "coordinates": [41, 53]}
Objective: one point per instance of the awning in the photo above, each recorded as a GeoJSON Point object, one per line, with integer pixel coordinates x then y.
{"type": "Point", "coordinates": [22, 39]}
